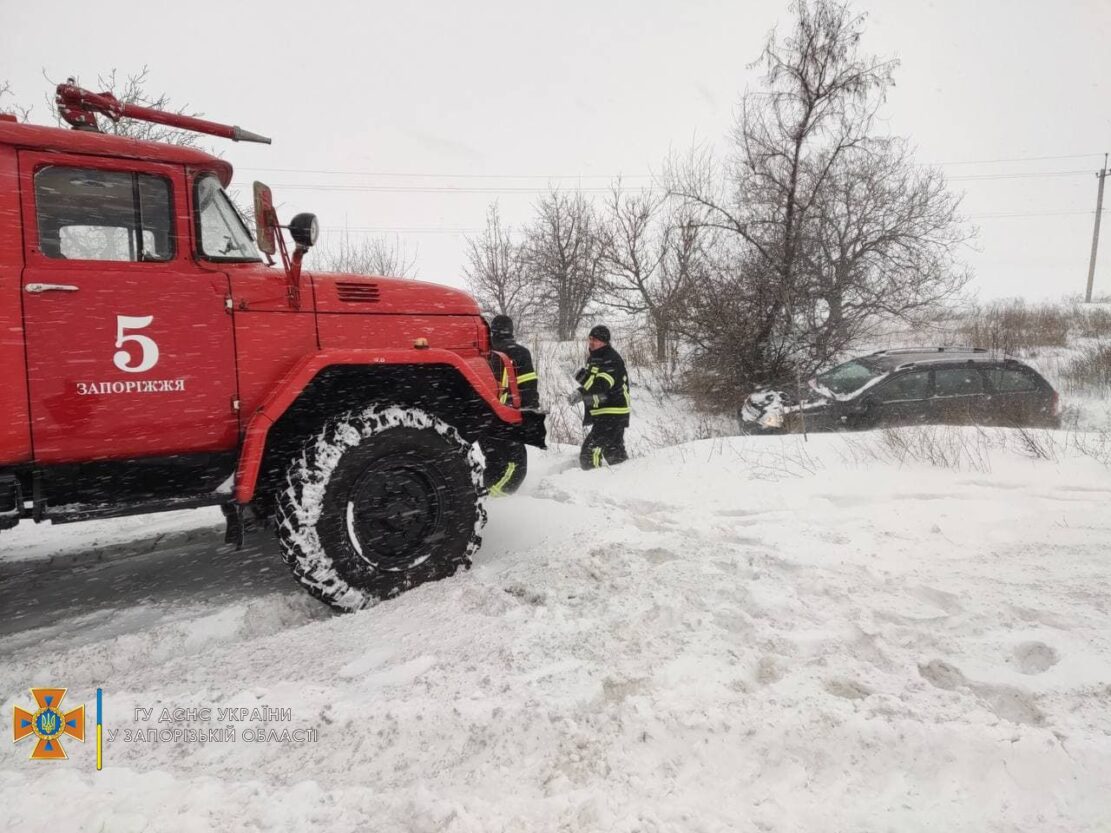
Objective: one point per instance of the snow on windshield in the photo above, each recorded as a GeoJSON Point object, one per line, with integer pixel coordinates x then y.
{"type": "Point", "coordinates": [848, 377]}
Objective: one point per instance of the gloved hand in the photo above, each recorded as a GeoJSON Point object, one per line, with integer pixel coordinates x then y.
{"type": "Point", "coordinates": [574, 397]}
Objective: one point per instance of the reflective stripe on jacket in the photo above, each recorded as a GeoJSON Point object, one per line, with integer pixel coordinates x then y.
{"type": "Point", "coordinates": [605, 386]}
{"type": "Point", "coordinates": [527, 380]}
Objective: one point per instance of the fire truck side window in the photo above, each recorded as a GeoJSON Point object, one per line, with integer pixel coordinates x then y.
{"type": "Point", "coordinates": [88, 214]}
{"type": "Point", "coordinates": [222, 233]}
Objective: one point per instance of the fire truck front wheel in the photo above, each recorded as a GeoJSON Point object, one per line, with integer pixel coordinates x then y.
{"type": "Point", "coordinates": [380, 501]}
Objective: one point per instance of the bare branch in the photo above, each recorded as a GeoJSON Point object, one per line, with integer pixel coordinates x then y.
{"type": "Point", "coordinates": [376, 256]}
{"type": "Point", "coordinates": [133, 89]}
{"type": "Point", "coordinates": [20, 112]}
{"type": "Point", "coordinates": [564, 251]}
{"type": "Point", "coordinates": [497, 271]}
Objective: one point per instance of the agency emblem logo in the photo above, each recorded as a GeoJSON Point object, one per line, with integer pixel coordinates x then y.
{"type": "Point", "coordinates": [48, 724]}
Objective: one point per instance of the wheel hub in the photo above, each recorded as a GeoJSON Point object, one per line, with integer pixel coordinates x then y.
{"type": "Point", "coordinates": [392, 512]}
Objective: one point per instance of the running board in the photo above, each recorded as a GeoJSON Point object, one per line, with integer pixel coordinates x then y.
{"type": "Point", "coordinates": [90, 511]}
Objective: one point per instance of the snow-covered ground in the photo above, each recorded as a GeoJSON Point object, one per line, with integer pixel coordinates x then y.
{"type": "Point", "coordinates": [729, 634]}
{"type": "Point", "coordinates": [48, 545]}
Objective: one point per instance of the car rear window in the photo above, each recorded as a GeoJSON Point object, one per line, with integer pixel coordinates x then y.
{"type": "Point", "coordinates": [906, 386]}
{"type": "Point", "coordinates": [957, 381]}
{"type": "Point", "coordinates": [1011, 380]}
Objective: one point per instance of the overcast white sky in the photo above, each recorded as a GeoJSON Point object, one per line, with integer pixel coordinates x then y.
{"type": "Point", "coordinates": [477, 101]}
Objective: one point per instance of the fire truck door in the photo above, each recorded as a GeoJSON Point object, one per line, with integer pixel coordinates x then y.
{"type": "Point", "coordinates": [130, 350]}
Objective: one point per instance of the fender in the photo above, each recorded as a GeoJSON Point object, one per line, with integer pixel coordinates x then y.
{"type": "Point", "coordinates": [294, 382]}
{"type": "Point", "coordinates": [513, 391]}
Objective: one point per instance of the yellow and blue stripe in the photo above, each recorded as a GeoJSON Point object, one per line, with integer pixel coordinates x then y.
{"type": "Point", "coordinates": [99, 730]}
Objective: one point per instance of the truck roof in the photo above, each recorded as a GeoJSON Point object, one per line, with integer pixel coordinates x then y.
{"type": "Point", "coordinates": [62, 140]}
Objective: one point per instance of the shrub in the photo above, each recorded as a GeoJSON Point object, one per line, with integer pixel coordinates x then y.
{"type": "Point", "coordinates": [1013, 326]}
{"type": "Point", "coordinates": [1090, 369]}
{"type": "Point", "coordinates": [1091, 320]}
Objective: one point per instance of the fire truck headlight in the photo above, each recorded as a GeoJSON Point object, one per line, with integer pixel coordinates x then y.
{"type": "Point", "coordinates": [304, 229]}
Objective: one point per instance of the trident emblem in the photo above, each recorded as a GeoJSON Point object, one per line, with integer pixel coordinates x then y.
{"type": "Point", "coordinates": [48, 724]}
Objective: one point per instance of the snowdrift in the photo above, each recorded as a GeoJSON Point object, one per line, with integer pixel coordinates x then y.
{"type": "Point", "coordinates": [851, 633]}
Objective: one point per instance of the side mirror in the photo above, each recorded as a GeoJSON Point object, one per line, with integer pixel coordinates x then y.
{"type": "Point", "coordinates": [304, 229]}
{"type": "Point", "coordinates": [264, 219]}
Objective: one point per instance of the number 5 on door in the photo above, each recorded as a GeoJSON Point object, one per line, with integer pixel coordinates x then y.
{"type": "Point", "coordinates": [146, 343]}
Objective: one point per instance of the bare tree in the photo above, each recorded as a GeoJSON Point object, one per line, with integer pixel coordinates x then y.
{"type": "Point", "coordinates": [564, 253]}
{"type": "Point", "coordinates": [820, 104]}
{"type": "Point", "coordinates": [653, 249]}
{"type": "Point", "coordinates": [132, 89]}
{"type": "Point", "coordinates": [796, 143]}
{"type": "Point", "coordinates": [497, 271]}
{"type": "Point", "coordinates": [21, 113]}
{"type": "Point", "coordinates": [883, 246]}
{"type": "Point", "coordinates": [369, 256]}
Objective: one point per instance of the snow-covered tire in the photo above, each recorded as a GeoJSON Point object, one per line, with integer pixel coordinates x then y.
{"type": "Point", "coordinates": [379, 501]}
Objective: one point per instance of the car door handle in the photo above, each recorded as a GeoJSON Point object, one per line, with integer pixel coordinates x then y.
{"type": "Point", "coordinates": [39, 288]}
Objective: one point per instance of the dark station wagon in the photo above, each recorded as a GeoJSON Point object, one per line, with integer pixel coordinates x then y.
{"type": "Point", "coordinates": [910, 386]}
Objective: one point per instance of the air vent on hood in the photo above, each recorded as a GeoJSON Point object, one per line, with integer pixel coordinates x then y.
{"type": "Point", "coordinates": [357, 293]}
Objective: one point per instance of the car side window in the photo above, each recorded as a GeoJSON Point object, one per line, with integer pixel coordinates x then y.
{"type": "Point", "coordinates": [908, 386]}
{"type": "Point", "coordinates": [957, 381]}
{"type": "Point", "coordinates": [1005, 380]}
{"type": "Point", "coordinates": [89, 214]}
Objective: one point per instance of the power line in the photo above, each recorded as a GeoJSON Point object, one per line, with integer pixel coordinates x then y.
{"type": "Point", "coordinates": [1056, 213]}
{"type": "Point", "coordinates": [427, 175]}
{"type": "Point", "coordinates": [401, 230]}
{"type": "Point", "coordinates": [1018, 175]}
{"type": "Point", "coordinates": [466, 189]}
{"type": "Point", "coordinates": [1018, 159]}
{"type": "Point", "coordinates": [476, 230]}
{"type": "Point", "coordinates": [422, 189]}
{"type": "Point", "coordinates": [446, 176]}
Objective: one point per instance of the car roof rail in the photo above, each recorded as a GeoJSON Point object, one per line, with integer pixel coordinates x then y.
{"type": "Point", "coordinates": [896, 351]}
{"type": "Point", "coordinates": [926, 364]}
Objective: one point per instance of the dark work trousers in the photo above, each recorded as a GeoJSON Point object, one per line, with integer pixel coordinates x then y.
{"type": "Point", "coordinates": [506, 465]}
{"type": "Point", "coordinates": [604, 441]}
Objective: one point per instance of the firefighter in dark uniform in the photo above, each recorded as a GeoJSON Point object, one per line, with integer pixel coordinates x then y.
{"type": "Point", "coordinates": [604, 391]}
{"type": "Point", "coordinates": [507, 462]}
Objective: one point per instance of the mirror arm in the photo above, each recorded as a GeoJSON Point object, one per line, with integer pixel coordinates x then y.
{"type": "Point", "coordinates": [290, 265]}
{"type": "Point", "coordinates": [295, 277]}
{"type": "Point", "coordinates": [280, 240]}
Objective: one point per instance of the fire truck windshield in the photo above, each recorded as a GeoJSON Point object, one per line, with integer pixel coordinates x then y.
{"type": "Point", "coordinates": [221, 232]}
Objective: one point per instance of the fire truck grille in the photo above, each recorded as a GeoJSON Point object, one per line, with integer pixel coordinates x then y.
{"type": "Point", "coordinates": [358, 293]}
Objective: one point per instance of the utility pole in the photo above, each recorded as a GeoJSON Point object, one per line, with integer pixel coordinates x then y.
{"type": "Point", "coordinates": [1095, 232]}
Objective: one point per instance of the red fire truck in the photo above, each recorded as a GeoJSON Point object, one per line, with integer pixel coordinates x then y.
{"type": "Point", "coordinates": [159, 356]}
